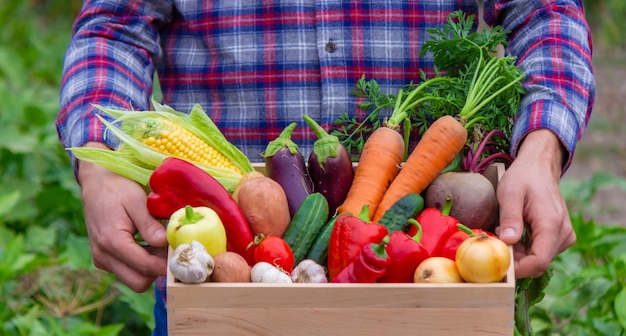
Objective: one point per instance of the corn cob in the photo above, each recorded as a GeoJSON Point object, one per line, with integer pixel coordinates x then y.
{"type": "Point", "coordinates": [148, 137]}
{"type": "Point", "coordinates": [171, 139]}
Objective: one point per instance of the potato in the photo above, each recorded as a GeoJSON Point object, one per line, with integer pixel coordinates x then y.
{"type": "Point", "coordinates": [243, 180]}
{"type": "Point", "coordinates": [474, 201]}
{"type": "Point", "coordinates": [230, 267]}
{"type": "Point", "coordinates": [264, 203]}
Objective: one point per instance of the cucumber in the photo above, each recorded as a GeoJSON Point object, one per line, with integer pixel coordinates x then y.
{"type": "Point", "coordinates": [319, 250]}
{"type": "Point", "coordinates": [395, 219]}
{"type": "Point", "coordinates": [306, 225]}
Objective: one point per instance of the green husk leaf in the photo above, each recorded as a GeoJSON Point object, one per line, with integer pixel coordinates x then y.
{"type": "Point", "coordinates": [114, 161]}
{"type": "Point", "coordinates": [144, 153]}
{"type": "Point", "coordinates": [196, 122]}
{"type": "Point", "coordinates": [136, 160]}
{"type": "Point", "coordinates": [162, 107]}
{"type": "Point", "coordinates": [206, 129]}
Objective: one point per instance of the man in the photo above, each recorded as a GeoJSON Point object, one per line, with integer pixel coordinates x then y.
{"type": "Point", "coordinates": [256, 66]}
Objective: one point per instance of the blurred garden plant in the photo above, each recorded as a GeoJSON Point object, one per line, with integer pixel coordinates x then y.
{"type": "Point", "coordinates": [48, 285]}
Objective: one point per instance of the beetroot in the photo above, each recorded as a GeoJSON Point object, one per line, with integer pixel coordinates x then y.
{"type": "Point", "coordinates": [474, 201]}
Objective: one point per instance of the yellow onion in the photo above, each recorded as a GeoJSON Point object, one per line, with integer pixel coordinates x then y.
{"type": "Point", "coordinates": [483, 259]}
{"type": "Point", "coordinates": [437, 270]}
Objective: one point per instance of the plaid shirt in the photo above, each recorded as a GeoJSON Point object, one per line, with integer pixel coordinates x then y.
{"type": "Point", "coordinates": [257, 66]}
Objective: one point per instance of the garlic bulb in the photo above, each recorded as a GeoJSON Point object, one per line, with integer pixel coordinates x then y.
{"type": "Point", "coordinates": [308, 271]}
{"type": "Point", "coordinates": [191, 263]}
{"type": "Point", "coordinates": [266, 272]}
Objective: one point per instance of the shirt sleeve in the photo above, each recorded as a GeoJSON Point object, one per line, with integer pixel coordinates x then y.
{"type": "Point", "coordinates": [552, 42]}
{"type": "Point", "coordinates": [109, 61]}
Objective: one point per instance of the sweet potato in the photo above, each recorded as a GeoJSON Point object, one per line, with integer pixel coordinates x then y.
{"type": "Point", "coordinates": [264, 203]}
{"type": "Point", "coordinates": [230, 267]}
{"type": "Point", "coordinates": [243, 180]}
{"type": "Point", "coordinates": [474, 201]}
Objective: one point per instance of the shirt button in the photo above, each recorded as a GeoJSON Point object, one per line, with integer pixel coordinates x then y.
{"type": "Point", "coordinates": [331, 47]}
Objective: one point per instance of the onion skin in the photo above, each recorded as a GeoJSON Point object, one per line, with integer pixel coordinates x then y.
{"type": "Point", "coordinates": [483, 259]}
{"type": "Point", "coordinates": [437, 270]}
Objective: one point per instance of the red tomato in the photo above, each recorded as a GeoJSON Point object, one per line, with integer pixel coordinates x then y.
{"type": "Point", "coordinates": [274, 250]}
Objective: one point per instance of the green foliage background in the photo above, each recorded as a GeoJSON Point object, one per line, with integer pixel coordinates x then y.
{"type": "Point", "coordinates": [48, 285]}
{"type": "Point", "coordinates": [606, 18]}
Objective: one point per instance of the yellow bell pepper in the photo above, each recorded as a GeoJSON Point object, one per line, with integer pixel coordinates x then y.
{"type": "Point", "coordinates": [201, 224]}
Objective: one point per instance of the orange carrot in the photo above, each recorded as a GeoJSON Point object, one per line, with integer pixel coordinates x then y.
{"type": "Point", "coordinates": [379, 164]}
{"type": "Point", "coordinates": [382, 155]}
{"type": "Point", "coordinates": [442, 141]}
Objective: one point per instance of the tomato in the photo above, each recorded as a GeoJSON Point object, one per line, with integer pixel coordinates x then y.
{"type": "Point", "coordinates": [483, 258]}
{"type": "Point", "coordinates": [273, 250]}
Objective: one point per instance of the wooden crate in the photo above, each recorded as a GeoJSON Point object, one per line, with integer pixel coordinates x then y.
{"type": "Point", "coordinates": [243, 309]}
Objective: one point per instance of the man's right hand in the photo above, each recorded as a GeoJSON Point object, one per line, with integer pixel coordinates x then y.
{"type": "Point", "coordinates": [115, 210]}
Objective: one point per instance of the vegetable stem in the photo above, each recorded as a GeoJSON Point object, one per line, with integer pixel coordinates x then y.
{"type": "Point", "coordinates": [364, 215]}
{"type": "Point", "coordinates": [369, 117]}
{"type": "Point", "coordinates": [418, 236]}
{"type": "Point", "coordinates": [191, 217]}
{"type": "Point", "coordinates": [408, 103]}
{"type": "Point", "coordinates": [447, 206]}
{"type": "Point", "coordinates": [495, 94]}
{"type": "Point", "coordinates": [466, 229]}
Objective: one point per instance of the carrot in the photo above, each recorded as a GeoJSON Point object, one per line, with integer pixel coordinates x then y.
{"type": "Point", "coordinates": [379, 164]}
{"type": "Point", "coordinates": [442, 141]}
{"type": "Point", "coordinates": [382, 156]}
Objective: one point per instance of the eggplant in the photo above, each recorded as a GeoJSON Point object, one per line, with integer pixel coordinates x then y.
{"type": "Point", "coordinates": [329, 167]}
{"type": "Point", "coordinates": [284, 163]}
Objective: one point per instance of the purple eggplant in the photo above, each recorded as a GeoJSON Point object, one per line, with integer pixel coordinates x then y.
{"type": "Point", "coordinates": [329, 166]}
{"type": "Point", "coordinates": [285, 164]}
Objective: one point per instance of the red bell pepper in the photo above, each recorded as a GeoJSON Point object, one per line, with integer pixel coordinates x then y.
{"type": "Point", "coordinates": [437, 226]}
{"type": "Point", "coordinates": [349, 236]}
{"type": "Point", "coordinates": [452, 244]}
{"type": "Point", "coordinates": [370, 265]}
{"type": "Point", "coordinates": [405, 254]}
{"type": "Point", "coordinates": [176, 183]}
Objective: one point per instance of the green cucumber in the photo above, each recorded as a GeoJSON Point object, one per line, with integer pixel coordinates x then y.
{"type": "Point", "coordinates": [319, 250]}
{"type": "Point", "coordinates": [306, 225]}
{"type": "Point", "coordinates": [409, 206]}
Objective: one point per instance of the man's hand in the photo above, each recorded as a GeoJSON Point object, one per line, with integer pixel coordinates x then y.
{"type": "Point", "coordinates": [530, 199]}
{"type": "Point", "coordinates": [115, 210]}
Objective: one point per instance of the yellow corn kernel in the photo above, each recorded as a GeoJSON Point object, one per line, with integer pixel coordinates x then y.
{"type": "Point", "coordinates": [174, 140]}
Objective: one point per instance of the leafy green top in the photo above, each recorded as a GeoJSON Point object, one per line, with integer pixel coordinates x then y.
{"type": "Point", "coordinates": [470, 82]}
